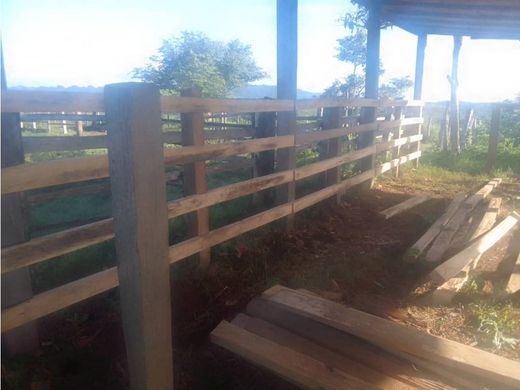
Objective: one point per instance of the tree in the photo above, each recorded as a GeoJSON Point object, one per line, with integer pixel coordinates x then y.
{"type": "Point", "coordinates": [353, 50]}
{"type": "Point", "coordinates": [193, 59]}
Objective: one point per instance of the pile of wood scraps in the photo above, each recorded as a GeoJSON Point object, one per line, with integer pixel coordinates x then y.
{"type": "Point", "coordinates": [469, 225]}
{"type": "Point", "coordinates": [316, 343]}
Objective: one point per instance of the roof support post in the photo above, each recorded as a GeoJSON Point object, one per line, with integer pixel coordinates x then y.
{"type": "Point", "coordinates": [454, 100]}
{"type": "Point", "coordinates": [419, 66]}
{"type": "Point", "coordinates": [368, 114]}
{"type": "Point", "coordinates": [286, 67]}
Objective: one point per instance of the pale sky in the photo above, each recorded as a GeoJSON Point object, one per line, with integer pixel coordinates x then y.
{"type": "Point", "coordinates": [96, 42]}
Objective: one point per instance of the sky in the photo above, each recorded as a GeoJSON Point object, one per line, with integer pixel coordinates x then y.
{"type": "Point", "coordinates": [97, 42]}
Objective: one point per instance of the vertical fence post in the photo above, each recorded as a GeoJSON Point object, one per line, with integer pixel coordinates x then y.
{"type": "Point", "coordinates": [135, 151]}
{"type": "Point", "coordinates": [264, 161]}
{"type": "Point", "coordinates": [493, 138]}
{"type": "Point", "coordinates": [16, 285]}
{"type": "Point", "coordinates": [194, 176]}
{"type": "Point", "coordinates": [286, 65]}
{"type": "Point", "coordinates": [399, 115]}
{"type": "Point", "coordinates": [419, 111]}
{"type": "Point", "coordinates": [332, 120]}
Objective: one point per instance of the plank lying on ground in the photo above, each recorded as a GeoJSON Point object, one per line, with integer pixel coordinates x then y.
{"type": "Point", "coordinates": [403, 206]}
{"type": "Point", "coordinates": [393, 336]}
{"type": "Point", "coordinates": [513, 285]}
{"type": "Point", "coordinates": [452, 266]}
{"type": "Point", "coordinates": [329, 358]}
{"type": "Point", "coordinates": [407, 368]}
{"type": "Point", "coordinates": [290, 365]}
{"type": "Point", "coordinates": [443, 240]}
{"type": "Point", "coordinates": [92, 189]}
{"type": "Point", "coordinates": [422, 243]}
{"type": "Point", "coordinates": [447, 291]}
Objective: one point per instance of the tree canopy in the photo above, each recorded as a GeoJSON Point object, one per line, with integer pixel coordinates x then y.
{"type": "Point", "coordinates": [193, 59]}
{"type": "Point", "coordinates": [352, 49]}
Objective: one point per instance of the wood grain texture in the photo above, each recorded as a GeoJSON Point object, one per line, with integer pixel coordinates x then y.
{"type": "Point", "coordinates": [513, 284]}
{"type": "Point", "coordinates": [403, 206]}
{"type": "Point", "coordinates": [135, 150]}
{"type": "Point", "coordinates": [422, 243]}
{"type": "Point", "coordinates": [293, 366]}
{"type": "Point", "coordinates": [393, 336]}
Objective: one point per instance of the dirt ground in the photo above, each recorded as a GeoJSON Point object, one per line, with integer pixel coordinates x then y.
{"type": "Point", "coordinates": [345, 252]}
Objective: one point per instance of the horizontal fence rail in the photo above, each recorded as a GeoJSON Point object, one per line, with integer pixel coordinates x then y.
{"type": "Point", "coordinates": [399, 143]}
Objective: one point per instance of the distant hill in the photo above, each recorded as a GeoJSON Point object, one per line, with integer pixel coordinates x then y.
{"type": "Point", "coordinates": [247, 92]}
{"type": "Point", "coordinates": [261, 91]}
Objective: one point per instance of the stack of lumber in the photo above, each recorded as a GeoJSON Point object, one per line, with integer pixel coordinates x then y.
{"type": "Point", "coordinates": [474, 223]}
{"type": "Point", "coordinates": [316, 343]}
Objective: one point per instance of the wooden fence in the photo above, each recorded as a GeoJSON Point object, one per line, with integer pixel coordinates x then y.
{"type": "Point", "coordinates": [395, 141]}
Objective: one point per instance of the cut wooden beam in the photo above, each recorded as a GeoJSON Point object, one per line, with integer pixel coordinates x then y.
{"type": "Point", "coordinates": [406, 368]}
{"type": "Point", "coordinates": [329, 358]}
{"type": "Point", "coordinates": [447, 291]}
{"type": "Point", "coordinates": [443, 240]}
{"type": "Point", "coordinates": [295, 367]}
{"type": "Point", "coordinates": [395, 337]}
{"type": "Point", "coordinates": [513, 285]}
{"type": "Point", "coordinates": [452, 266]}
{"type": "Point", "coordinates": [403, 206]}
{"type": "Point", "coordinates": [422, 243]}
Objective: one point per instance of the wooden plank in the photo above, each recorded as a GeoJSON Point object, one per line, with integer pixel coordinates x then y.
{"type": "Point", "coordinates": [189, 247]}
{"type": "Point", "coordinates": [191, 104]}
{"type": "Point", "coordinates": [452, 266]}
{"type": "Point", "coordinates": [264, 162]}
{"type": "Point", "coordinates": [194, 175]}
{"type": "Point", "coordinates": [447, 291]}
{"type": "Point", "coordinates": [407, 369]}
{"type": "Point", "coordinates": [443, 240]}
{"type": "Point", "coordinates": [58, 298]}
{"type": "Point", "coordinates": [225, 193]}
{"type": "Point", "coordinates": [135, 150]}
{"type": "Point", "coordinates": [513, 285]}
{"type": "Point", "coordinates": [422, 243]}
{"type": "Point", "coordinates": [315, 168]}
{"type": "Point", "coordinates": [331, 359]}
{"type": "Point", "coordinates": [332, 120]}
{"type": "Point", "coordinates": [385, 167]}
{"type": "Point", "coordinates": [293, 366]}
{"type": "Point", "coordinates": [307, 138]}
{"type": "Point", "coordinates": [403, 206]}
{"type": "Point", "coordinates": [51, 101]}
{"type": "Point", "coordinates": [190, 154]}
{"type": "Point", "coordinates": [393, 336]}
{"type": "Point", "coordinates": [49, 173]}
{"type": "Point", "coordinates": [340, 188]}
{"type": "Point", "coordinates": [16, 286]}
{"type": "Point", "coordinates": [384, 146]}
{"type": "Point", "coordinates": [56, 244]}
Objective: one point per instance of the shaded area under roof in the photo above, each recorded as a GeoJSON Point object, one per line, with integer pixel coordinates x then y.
{"type": "Point", "coordinates": [479, 19]}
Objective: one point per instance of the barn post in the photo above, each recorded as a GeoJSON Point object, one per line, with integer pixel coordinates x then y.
{"type": "Point", "coordinates": [454, 101]}
{"type": "Point", "coordinates": [493, 138]}
{"type": "Point", "coordinates": [419, 66]}
{"type": "Point", "coordinates": [194, 175]}
{"type": "Point", "coordinates": [265, 126]}
{"type": "Point", "coordinates": [332, 120]}
{"type": "Point", "coordinates": [16, 285]}
{"type": "Point", "coordinates": [368, 114]}
{"type": "Point", "coordinates": [286, 84]}
{"type": "Point", "coordinates": [136, 162]}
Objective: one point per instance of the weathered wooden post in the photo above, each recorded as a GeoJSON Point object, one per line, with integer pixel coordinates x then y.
{"type": "Point", "coordinates": [454, 101]}
{"type": "Point", "coordinates": [194, 176]}
{"type": "Point", "coordinates": [399, 115]}
{"type": "Point", "coordinates": [419, 66]}
{"type": "Point", "coordinates": [494, 130]}
{"type": "Point", "coordinates": [135, 151]}
{"type": "Point", "coordinates": [287, 63]}
{"type": "Point", "coordinates": [16, 285]}
{"type": "Point", "coordinates": [368, 114]}
{"type": "Point", "coordinates": [264, 161]}
{"type": "Point", "coordinates": [332, 120]}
